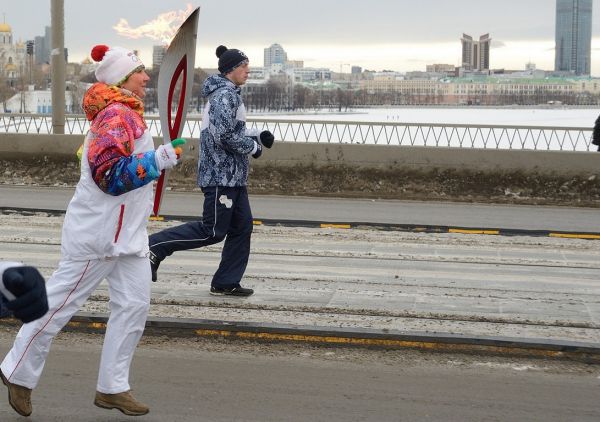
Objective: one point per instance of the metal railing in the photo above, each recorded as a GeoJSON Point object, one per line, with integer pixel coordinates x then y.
{"type": "Point", "coordinates": [353, 132]}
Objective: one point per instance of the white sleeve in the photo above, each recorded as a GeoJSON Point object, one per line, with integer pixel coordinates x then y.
{"type": "Point", "coordinates": [253, 131]}
{"type": "Point", "coordinates": [5, 265]}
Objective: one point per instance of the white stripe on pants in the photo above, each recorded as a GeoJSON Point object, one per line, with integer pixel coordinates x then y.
{"type": "Point", "coordinates": [69, 287]}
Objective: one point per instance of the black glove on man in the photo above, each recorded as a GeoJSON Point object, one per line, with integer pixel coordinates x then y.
{"type": "Point", "coordinates": [29, 287]}
{"type": "Point", "coordinates": [266, 138]}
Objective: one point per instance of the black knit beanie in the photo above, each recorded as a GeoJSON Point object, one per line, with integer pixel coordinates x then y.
{"type": "Point", "coordinates": [229, 59]}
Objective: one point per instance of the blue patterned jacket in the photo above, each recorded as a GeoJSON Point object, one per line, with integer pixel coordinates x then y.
{"type": "Point", "coordinates": [224, 141]}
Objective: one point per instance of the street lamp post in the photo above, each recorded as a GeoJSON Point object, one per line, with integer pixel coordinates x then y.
{"type": "Point", "coordinates": [30, 45]}
{"type": "Point", "coordinates": [57, 11]}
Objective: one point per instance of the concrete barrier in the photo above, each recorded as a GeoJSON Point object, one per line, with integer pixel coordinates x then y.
{"type": "Point", "coordinates": [20, 146]}
{"type": "Point", "coordinates": [429, 158]}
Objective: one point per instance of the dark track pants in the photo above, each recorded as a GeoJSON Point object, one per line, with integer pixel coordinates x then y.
{"type": "Point", "coordinates": [227, 215]}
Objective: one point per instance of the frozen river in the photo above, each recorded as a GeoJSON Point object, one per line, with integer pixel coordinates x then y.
{"type": "Point", "coordinates": [550, 117]}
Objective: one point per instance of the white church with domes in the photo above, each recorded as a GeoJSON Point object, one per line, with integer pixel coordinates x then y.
{"type": "Point", "coordinates": [13, 71]}
{"type": "Point", "coordinates": [12, 57]}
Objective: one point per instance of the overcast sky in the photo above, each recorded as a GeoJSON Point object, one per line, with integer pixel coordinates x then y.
{"type": "Point", "coordinates": [376, 34]}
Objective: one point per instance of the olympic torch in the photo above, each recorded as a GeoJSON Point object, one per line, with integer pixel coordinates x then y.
{"type": "Point", "coordinates": [178, 63]}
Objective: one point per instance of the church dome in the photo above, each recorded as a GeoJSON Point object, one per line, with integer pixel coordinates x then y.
{"type": "Point", "coordinates": [4, 27]}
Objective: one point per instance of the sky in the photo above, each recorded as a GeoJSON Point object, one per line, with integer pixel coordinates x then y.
{"type": "Point", "coordinates": [401, 35]}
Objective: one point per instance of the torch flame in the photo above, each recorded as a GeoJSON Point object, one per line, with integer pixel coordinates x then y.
{"type": "Point", "coordinates": [162, 28]}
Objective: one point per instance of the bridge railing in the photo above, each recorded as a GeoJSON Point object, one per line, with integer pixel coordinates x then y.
{"type": "Point", "coordinates": [355, 132]}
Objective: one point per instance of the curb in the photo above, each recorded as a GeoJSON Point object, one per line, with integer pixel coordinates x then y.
{"type": "Point", "coordinates": [416, 228]}
{"type": "Point", "coordinates": [348, 337]}
{"type": "Point", "coordinates": [424, 228]}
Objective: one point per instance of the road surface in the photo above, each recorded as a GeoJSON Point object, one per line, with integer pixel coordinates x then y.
{"type": "Point", "coordinates": [199, 380]}
{"type": "Point", "coordinates": [350, 210]}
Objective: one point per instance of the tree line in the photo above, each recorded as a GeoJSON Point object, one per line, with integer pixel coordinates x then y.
{"type": "Point", "coordinates": [279, 94]}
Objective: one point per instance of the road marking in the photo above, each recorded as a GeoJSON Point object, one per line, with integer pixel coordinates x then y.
{"type": "Point", "coordinates": [335, 226]}
{"type": "Point", "coordinates": [401, 344]}
{"type": "Point", "coordinates": [474, 231]}
{"type": "Point", "coordinates": [575, 235]}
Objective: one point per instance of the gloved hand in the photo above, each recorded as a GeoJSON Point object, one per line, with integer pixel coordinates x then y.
{"type": "Point", "coordinates": [166, 155]}
{"type": "Point", "coordinates": [178, 149]}
{"type": "Point", "coordinates": [266, 138]}
{"type": "Point", "coordinates": [29, 288]}
{"type": "Point", "coordinates": [258, 151]}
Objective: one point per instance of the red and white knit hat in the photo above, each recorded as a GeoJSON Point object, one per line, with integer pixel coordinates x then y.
{"type": "Point", "coordinates": [116, 63]}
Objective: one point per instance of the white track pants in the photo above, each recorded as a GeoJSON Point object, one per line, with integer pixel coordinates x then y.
{"type": "Point", "coordinates": [68, 288]}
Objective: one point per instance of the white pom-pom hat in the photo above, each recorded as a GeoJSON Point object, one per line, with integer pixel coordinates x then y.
{"type": "Point", "coordinates": [116, 64]}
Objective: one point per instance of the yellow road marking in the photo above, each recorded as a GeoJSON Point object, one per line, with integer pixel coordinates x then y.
{"type": "Point", "coordinates": [575, 236]}
{"type": "Point", "coordinates": [433, 346]}
{"type": "Point", "coordinates": [466, 231]}
{"type": "Point", "coordinates": [335, 226]}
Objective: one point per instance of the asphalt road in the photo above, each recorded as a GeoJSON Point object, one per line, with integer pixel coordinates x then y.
{"type": "Point", "coordinates": [202, 380]}
{"type": "Point", "coordinates": [190, 381]}
{"type": "Point", "coordinates": [350, 210]}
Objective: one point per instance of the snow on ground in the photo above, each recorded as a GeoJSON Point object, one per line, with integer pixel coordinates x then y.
{"type": "Point", "coordinates": [529, 287]}
{"type": "Point", "coordinates": [551, 117]}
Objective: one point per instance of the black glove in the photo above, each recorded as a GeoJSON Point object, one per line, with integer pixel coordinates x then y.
{"type": "Point", "coordinates": [266, 138]}
{"type": "Point", "coordinates": [258, 152]}
{"type": "Point", "coordinates": [596, 133]}
{"type": "Point", "coordinates": [29, 287]}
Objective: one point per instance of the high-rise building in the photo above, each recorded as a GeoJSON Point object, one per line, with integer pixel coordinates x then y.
{"type": "Point", "coordinates": [573, 36]}
{"type": "Point", "coordinates": [42, 46]}
{"type": "Point", "coordinates": [476, 54]}
{"type": "Point", "coordinates": [158, 54]}
{"type": "Point", "coordinates": [275, 54]}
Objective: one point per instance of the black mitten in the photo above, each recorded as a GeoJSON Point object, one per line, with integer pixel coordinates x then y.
{"type": "Point", "coordinates": [29, 287]}
{"type": "Point", "coordinates": [267, 138]}
{"type": "Point", "coordinates": [596, 133]}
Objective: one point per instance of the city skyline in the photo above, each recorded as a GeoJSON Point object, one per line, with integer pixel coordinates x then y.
{"type": "Point", "coordinates": [383, 35]}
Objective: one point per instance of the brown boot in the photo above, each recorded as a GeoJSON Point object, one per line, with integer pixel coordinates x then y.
{"type": "Point", "coordinates": [124, 402]}
{"type": "Point", "coordinates": [19, 397]}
